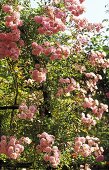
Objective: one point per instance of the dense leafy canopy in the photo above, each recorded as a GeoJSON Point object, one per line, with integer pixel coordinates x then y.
{"type": "Point", "coordinates": [54, 85]}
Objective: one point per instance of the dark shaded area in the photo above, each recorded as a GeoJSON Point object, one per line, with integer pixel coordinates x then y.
{"type": "Point", "coordinates": [9, 107]}
{"type": "Point", "coordinates": [45, 107]}
{"type": "Point", "coordinates": [14, 166]}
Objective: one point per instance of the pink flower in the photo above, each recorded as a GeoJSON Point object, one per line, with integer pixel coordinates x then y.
{"type": "Point", "coordinates": [41, 30]}
{"type": "Point", "coordinates": [27, 113]}
{"type": "Point", "coordinates": [107, 94]}
{"type": "Point", "coordinates": [32, 108]}
{"type": "Point", "coordinates": [88, 121]}
{"type": "Point", "coordinates": [37, 49]}
{"type": "Point", "coordinates": [23, 107]}
{"type": "Point", "coordinates": [66, 51]}
{"type": "Point", "coordinates": [52, 159]}
{"type": "Point", "coordinates": [100, 158]}
{"type": "Point", "coordinates": [38, 19]}
{"type": "Point", "coordinates": [47, 43]}
{"type": "Point", "coordinates": [47, 149]}
{"type": "Point", "coordinates": [34, 45]}
{"type": "Point", "coordinates": [3, 137]}
{"type": "Point", "coordinates": [52, 153]}
{"type": "Point", "coordinates": [10, 150]}
{"type": "Point", "coordinates": [14, 155]}
{"type": "Point", "coordinates": [13, 148]}
{"type": "Point", "coordinates": [49, 50]}
{"type": "Point", "coordinates": [15, 15]}
{"type": "Point", "coordinates": [7, 8]}
{"type": "Point", "coordinates": [87, 147]}
{"type": "Point", "coordinates": [46, 157]}
{"type": "Point", "coordinates": [19, 8]}
{"type": "Point", "coordinates": [22, 116]}
{"type": "Point", "coordinates": [59, 92]}
{"type": "Point", "coordinates": [61, 80]}
{"type": "Point", "coordinates": [39, 76]}
{"type": "Point", "coordinates": [88, 102]}
{"type": "Point", "coordinates": [21, 42]}
{"type": "Point", "coordinates": [9, 18]}
{"type": "Point", "coordinates": [81, 1]}
{"type": "Point", "coordinates": [27, 140]}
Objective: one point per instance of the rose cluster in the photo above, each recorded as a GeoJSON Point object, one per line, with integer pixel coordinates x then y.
{"type": "Point", "coordinates": [88, 120]}
{"type": "Point", "coordinates": [12, 20]}
{"type": "Point", "coordinates": [27, 113]}
{"type": "Point", "coordinates": [80, 43]}
{"type": "Point", "coordinates": [80, 68]}
{"type": "Point", "coordinates": [88, 146]}
{"type": "Point", "coordinates": [9, 40]}
{"type": "Point", "coordinates": [97, 108]}
{"type": "Point", "coordinates": [72, 85]}
{"type": "Point", "coordinates": [75, 6]}
{"type": "Point", "coordinates": [52, 153]}
{"type": "Point", "coordinates": [12, 147]}
{"type": "Point", "coordinates": [51, 23]}
{"type": "Point", "coordinates": [39, 74]}
{"type": "Point", "coordinates": [58, 52]}
{"type": "Point", "coordinates": [82, 23]}
{"type": "Point", "coordinates": [92, 82]}
{"type": "Point", "coordinates": [85, 167]}
{"type": "Point", "coordinates": [97, 58]}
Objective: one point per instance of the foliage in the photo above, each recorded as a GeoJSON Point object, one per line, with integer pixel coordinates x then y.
{"type": "Point", "coordinates": [71, 75]}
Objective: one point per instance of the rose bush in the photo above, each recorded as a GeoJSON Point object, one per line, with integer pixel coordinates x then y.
{"type": "Point", "coordinates": [52, 71]}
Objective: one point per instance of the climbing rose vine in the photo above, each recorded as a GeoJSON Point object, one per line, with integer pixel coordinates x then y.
{"type": "Point", "coordinates": [51, 73]}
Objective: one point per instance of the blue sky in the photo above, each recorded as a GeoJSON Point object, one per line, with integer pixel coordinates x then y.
{"type": "Point", "coordinates": [95, 10]}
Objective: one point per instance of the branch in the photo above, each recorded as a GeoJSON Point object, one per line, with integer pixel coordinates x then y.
{"type": "Point", "coordinates": [46, 105]}
{"type": "Point", "coordinates": [9, 107]}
